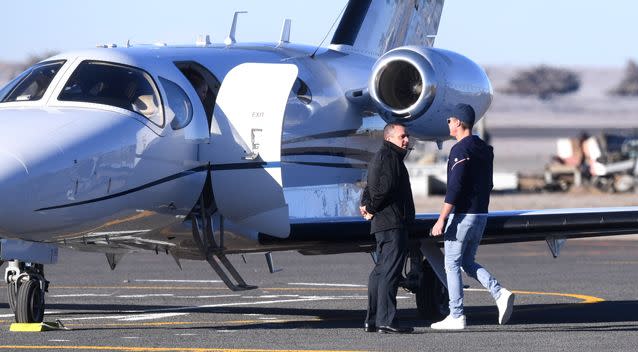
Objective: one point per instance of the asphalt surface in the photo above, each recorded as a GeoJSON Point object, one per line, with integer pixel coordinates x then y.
{"type": "Point", "coordinates": [586, 300]}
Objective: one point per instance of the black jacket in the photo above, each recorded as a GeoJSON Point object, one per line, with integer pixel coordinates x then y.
{"type": "Point", "coordinates": [388, 195]}
{"type": "Point", "coordinates": [469, 176]}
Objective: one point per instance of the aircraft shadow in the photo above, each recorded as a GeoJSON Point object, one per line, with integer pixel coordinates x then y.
{"type": "Point", "coordinates": [608, 315]}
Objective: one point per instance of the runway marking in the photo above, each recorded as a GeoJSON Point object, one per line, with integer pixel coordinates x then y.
{"type": "Point", "coordinates": [324, 284]}
{"type": "Point", "coordinates": [156, 313]}
{"type": "Point", "coordinates": [147, 295]}
{"type": "Point", "coordinates": [584, 298]}
{"type": "Point", "coordinates": [587, 299]}
{"type": "Point", "coordinates": [83, 295]}
{"type": "Point", "coordinates": [189, 281]}
{"type": "Point", "coordinates": [201, 288]}
{"type": "Point", "coordinates": [216, 322]}
{"type": "Point", "coordinates": [152, 316]}
{"type": "Point", "coordinates": [159, 349]}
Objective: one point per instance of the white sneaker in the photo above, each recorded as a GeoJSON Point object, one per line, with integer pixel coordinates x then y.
{"type": "Point", "coordinates": [505, 304]}
{"type": "Point", "coordinates": [450, 323]}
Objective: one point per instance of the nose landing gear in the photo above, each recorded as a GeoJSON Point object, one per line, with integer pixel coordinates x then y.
{"type": "Point", "coordinates": [26, 287]}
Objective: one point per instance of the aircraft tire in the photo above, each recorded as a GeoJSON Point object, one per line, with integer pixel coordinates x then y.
{"type": "Point", "coordinates": [11, 296]}
{"type": "Point", "coordinates": [431, 295]}
{"type": "Point", "coordinates": [30, 303]}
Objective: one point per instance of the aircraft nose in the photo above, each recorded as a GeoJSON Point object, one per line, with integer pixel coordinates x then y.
{"type": "Point", "coordinates": [12, 168]}
{"type": "Point", "coordinates": [14, 192]}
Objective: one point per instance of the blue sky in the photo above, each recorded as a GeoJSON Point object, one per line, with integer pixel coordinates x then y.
{"type": "Point", "coordinates": [560, 32]}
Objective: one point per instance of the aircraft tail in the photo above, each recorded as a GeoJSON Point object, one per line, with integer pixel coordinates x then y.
{"type": "Point", "coordinates": [372, 27]}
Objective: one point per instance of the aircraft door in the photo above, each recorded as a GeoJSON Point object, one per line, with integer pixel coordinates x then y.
{"type": "Point", "coordinates": [245, 148]}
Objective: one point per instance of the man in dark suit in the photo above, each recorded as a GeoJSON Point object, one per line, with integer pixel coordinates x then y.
{"type": "Point", "coordinates": [387, 202]}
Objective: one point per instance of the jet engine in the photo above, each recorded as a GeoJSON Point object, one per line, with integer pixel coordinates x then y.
{"type": "Point", "coordinates": [420, 87]}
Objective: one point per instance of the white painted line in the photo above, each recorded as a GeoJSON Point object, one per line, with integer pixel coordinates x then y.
{"type": "Point", "coordinates": [268, 318]}
{"type": "Point", "coordinates": [185, 334]}
{"type": "Point", "coordinates": [130, 337]}
{"type": "Point", "coordinates": [152, 313]}
{"type": "Point", "coordinates": [147, 295]}
{"type": "Point", "coordinates": [82, 295]}
{"type": "Point", "coordinates": [59, 340]}
{"type": "Point", "coordinates": [151, 316]}
{"type": "Point", "coordinates": [215, 296]}
{"type": "Point", "coordinates": [184, 281]}
{"type": "Point", "coordinates": [7, 315]}
{"type": "Point", "coordinates": [324, 284]}
{"type": "Point", "coordinates": [175, 311]}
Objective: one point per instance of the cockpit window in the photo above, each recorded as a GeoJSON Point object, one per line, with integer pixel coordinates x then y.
{"type": "Point", "coordinates": [116, 85]}
{"type": "Point", "coordinates": [32, 83]}
{"type": "Point", "coordinates": [180, 109]}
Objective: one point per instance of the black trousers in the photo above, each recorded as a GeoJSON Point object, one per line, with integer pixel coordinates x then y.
{"type": "Point", "coordinates": [384, 278]}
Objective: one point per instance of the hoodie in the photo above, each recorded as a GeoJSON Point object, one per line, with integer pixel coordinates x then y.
{"type": "Point", "coordinates": [469, 176]}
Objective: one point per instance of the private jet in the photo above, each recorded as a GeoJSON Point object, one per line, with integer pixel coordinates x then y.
{"type": "Point", "coordinates": [212, 149]}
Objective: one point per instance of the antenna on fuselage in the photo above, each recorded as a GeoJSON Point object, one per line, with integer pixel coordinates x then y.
{"type": "Point", "coordinates": [330, 30]}
{"type": "Point", "coordinates": [230, 40]}
{"type": "Point", "coordinates": [203, 40]}
{"type": "Point", "coordinates": [285, 32]}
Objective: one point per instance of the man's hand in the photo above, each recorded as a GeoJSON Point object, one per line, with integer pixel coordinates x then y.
{"type": "Point", "coordinates": [437, 229]}
{"type": "Point", "coordinates": [364, 213]}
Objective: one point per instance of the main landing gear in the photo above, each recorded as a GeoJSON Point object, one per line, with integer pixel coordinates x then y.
{"type": "Point", "coordinates": [26, 287]}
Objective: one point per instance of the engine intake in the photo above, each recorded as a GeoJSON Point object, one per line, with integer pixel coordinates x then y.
{"type": "Point", "coordinates": [403, 84]}
{"type": "Point", "coordinates": [420, 86]}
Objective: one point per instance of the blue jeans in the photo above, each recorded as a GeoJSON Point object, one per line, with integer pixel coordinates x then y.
{"type": "Point", "coordinates": [463, 234]}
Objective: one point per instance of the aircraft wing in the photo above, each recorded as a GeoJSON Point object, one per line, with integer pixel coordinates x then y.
{"type": "Point", "coordinates": [348, 234]}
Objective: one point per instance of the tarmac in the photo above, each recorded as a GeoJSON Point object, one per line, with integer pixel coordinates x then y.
{"type": "Point", "coordinates": [586, 300]}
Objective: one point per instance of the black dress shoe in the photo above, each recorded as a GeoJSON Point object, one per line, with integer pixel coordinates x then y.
{"type": "Point", "coordinates": [394, 330]}
{"type": "Point", "coordinates": [369, 327]}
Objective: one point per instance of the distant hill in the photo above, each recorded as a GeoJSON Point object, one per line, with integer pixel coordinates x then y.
{"type": "Point", "coordinates": [590, 107]}
{"type": "Point", "coordinates": [8, 70]}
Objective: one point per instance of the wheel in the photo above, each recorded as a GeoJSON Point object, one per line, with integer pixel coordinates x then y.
{"type": "Point", "coordinates": [11, 296]}
{"type": "Point", "coordinates": [432, 300]}
{"type": "Point", "coordinates": [30, 303]}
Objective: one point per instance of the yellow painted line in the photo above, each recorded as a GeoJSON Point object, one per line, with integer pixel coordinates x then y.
{"type": "Point", "coordinates": [162, 349]}
{"type": "Point", "coordinates": [584, 298]}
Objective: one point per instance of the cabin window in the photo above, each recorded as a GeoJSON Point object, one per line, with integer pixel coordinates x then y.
{"type": "Point", "coordinates": [179, 108]}
{"type": "Point", "coordinates": [32, 83]}
{"type": "Point", "coordinates": [301, 89]}
{"type": "Point", "coordinates": [116, 85]}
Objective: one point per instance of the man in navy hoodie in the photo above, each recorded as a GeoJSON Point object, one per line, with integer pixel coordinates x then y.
{"type": "Point", "coordinates": [469, 183]}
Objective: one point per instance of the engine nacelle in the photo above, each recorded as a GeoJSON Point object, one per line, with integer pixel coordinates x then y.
{"type": "Point", "coordinates": [420, 86]}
